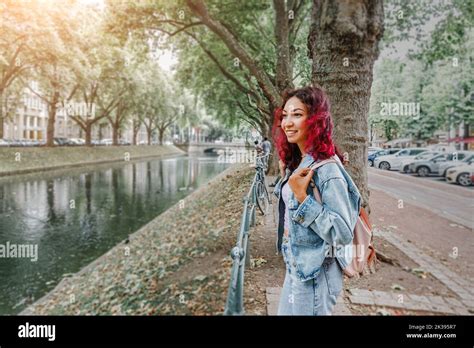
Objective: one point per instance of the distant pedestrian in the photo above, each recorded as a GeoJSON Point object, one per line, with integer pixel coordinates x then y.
{"type": "Point", "coordinates": [258, 148]}
{"type": "Point", "coordinates": [267, 147]}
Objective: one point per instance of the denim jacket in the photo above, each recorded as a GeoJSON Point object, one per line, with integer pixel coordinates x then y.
{"type": "Point", "coordinates": [315, 227]}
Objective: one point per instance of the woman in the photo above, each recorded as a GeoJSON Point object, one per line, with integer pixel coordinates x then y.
{"type": "Point", "coordinates": [310, 232]}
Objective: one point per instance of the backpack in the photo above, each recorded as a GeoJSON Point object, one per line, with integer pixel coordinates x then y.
{"type": "Point", "coordinates": [362, 244]}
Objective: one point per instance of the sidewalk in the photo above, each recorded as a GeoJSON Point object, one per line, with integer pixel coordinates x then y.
{"type": "Point", "coordinates": [411, 280]}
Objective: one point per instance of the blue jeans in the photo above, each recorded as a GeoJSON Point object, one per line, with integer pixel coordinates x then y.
{"type": "Point", "coordinates": [316, 296]}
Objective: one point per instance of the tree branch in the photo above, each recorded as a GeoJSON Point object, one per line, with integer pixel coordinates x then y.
{"type": "Point", "coordinates": [269, 90]}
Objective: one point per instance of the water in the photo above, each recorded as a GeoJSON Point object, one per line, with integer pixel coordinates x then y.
{"type": "Point", "coordinates": [74, 216]}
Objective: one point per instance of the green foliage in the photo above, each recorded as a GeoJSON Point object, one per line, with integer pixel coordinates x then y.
{"type": "Point", "coordinates": [206, 65]}
{"type": "Point", "coordinates": [438, 73]}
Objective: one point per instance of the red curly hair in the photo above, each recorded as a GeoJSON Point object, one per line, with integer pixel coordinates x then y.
{"type": "Point", "coordinates": [319, 143]}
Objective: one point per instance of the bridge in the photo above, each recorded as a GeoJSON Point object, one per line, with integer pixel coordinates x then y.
{"type": "Point", "coordinates": [208, 147]}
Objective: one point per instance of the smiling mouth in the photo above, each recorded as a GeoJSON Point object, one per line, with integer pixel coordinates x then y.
{"type": "Point", "coordinates": [290, 133]}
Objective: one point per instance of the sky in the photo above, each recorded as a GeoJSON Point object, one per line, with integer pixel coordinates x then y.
{"type": "Point", "coordinates": [166, 60]}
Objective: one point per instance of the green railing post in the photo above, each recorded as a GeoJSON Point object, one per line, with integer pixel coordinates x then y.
{"type": "Point", "coordinates": [241, 253]}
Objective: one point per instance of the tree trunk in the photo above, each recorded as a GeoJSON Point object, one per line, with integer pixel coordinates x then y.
{"type": "Point", "coordinates": [88, 131]}
{"type": "Point", "coordinates": [2, 117]}
{"type": "Point", "coordinates": [465, 146]}
{"type": "Point", "coordinates": [100, 131]}
{"type": "Point", "coordinates": [115, 131]}
{"type": "Point", "coordinates": [134, 137]}
{"type": "Point", "coordinates": [136, 128]}
{"type": "Point", "coordinates": [161, 133]}
{"type": "Point", "coordinates": [274, 158]}
{"type": "Point", "coordinates": [52, 109]}
{"type": "Point", "coordinates": [148, 133]}
{"type": "Point", "coordinates": [284, 71]}
{"type": "Point", "coordinates": [343, 43]}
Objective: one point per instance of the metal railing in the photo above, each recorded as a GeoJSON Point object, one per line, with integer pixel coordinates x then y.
{"type": "Point", "coordinates": [240, 253]}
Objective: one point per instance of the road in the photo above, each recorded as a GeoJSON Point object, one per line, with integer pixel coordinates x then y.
{"type": "Point", "coordinates": [450, 201]}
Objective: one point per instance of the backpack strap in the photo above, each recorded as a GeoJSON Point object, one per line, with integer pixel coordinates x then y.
{"type": "Point", "coordinates": [314, 167]}
{"type": "Point", "coordinates": [321, 163]}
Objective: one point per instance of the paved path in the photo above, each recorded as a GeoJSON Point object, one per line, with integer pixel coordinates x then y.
{"type": "Point", "coordinates": [433, 304]}
{"type": "Point", "coordinates": [459, 285]}
{"type": "Point", "coordinates": [450, 201]}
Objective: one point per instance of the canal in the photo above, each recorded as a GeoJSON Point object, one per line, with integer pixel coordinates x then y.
{"type": "Point", "coordinates": [71, 217]}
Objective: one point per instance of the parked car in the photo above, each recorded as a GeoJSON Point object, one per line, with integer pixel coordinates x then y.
{"type": "Point", "coordinates": [463, 157]}
{"type": "Point", "coordinates": [393, 162]}
{"type": "Point", "coordinates": [106, 142]}
{"type": "Point", "coordinates": [405, 164]}
{"type": "Point", "coordinates": [61, 141]}
{"type": "Point", "coordinates": [371, 158]}
{"type": "Point", "coordinates": [461, 175]}
{"type": "Point", "coordinates": [4, 143]}
{"type": "Point", "coordinates": [124, 142]}
{"type": "Point", "coordinates": [14, 142]}
{"type": "Point", "coordinates": [77, 141]}
{"type": "Point", "coordinates": [428, 166]}
{"type": "Point", "coordinates": [373, 149]}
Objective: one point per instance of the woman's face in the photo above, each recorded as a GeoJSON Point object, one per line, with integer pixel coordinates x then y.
{"type": "Point", "coordinates": [293, 122]}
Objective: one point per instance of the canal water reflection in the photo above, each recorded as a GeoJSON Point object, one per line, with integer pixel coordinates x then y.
{"type": "Point", "coordinates": [74, 216]}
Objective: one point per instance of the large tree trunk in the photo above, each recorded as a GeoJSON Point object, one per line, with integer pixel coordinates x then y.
{"type": "Point", "coordinates": [343, 44]}
{"type": "Point", "coordinates": [115, 133]}
{"type": "Point", "coordinates": [88, 132]}
{"type": "Point", "coordinates": [284, 71]}
{"type": "Point", "coordinates": [2, 116]}
{"type": "Point", "coordinates": [136, 128]}
{"type": "Point", "coordinates": [100, 131]}
{"type": "Point", "coordinates": [466, 131]}
{"type": "Point", "coordinates": [148, 133]}
{"type": "Point", "coordinates": [52, 109]}
{"type": "Point", "coordinates": [161, 133]}
{"type": "Point", "coordinates": [1, 126]}
{"type": "Point", "coordinates": [283, 76]}
{"type": "Point", "coordinates": [134, 137]}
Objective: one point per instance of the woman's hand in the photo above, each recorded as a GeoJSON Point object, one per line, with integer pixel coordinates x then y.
{"type": "Point", "coordinates": [299, 182]}
{"type": "Point", "coordinates": [282, 166]}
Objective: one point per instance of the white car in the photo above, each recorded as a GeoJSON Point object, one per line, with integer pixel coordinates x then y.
{"type": "Point", "coordinates": [393, 162]}
{"type": "Point", "coordinates": [77, 141]}
{"type": "Point", "coordinates": [405, 163]}
{"type": "Point", "coordinates": [106, 142]}
{"type": "Point", "coordinates": [461, 175]}
{"type": "Point", "coordinates": [373, 149]}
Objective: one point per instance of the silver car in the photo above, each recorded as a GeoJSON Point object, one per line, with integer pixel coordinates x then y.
{"type": "Point", "coordinates": [431, 166]}
{"type": "Point", "coordinates": [405, 164]}
{"type": "Point", "coordinates": [464, 157]}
